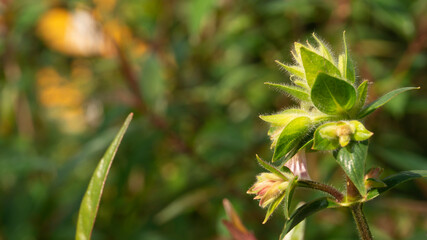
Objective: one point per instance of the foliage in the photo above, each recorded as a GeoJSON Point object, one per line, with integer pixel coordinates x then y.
{"type": "Point", "coordinates": [193, 73]}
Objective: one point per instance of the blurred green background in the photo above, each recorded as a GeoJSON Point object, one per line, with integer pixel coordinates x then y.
{"type": "Point", "coordinates": [192, 72]}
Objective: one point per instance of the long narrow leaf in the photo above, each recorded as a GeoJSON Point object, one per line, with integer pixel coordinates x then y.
{"type": "Point", "coordinates": [284, 117]}
{"type": "Point", "coordinates": [288, 196]}
{"type": "Point", "coordinates": [323, 49]}
{"type": "Point", "coordinates": [296, 92]}
{"type": "Point", "coordinates": [285, 175]}
{"type": "Point", "coordinates": [348, 64]}
{"type": "Point", "coordinates": [294, 70]}
{"type": "Point", "coordinates": [273, 206]}
{"type": "Point", "coordinates": [307, 210]}
{"type": "Point", "coordinates": [362, 92]}
{"type": "Point", "coordinates": [92, 197]}
{"type": "Point", "coordinates": [396, 179]}
{"type": "Point", "coordinates": [382, 100]}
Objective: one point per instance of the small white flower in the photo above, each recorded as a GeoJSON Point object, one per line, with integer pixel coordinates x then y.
{"type": "Point", "coordinates": [298, 165]}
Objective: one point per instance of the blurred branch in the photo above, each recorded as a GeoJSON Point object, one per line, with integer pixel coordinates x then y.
{"type": "Point", "coordinates": [12, 72]}
{"type": "Point", "coordinates": [416, 46]}
{"type": "Point", "coordinates": [158, 121]}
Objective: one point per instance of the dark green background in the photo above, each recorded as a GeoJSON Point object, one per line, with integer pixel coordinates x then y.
{"type": "Point", "coordinates": [203, 74]}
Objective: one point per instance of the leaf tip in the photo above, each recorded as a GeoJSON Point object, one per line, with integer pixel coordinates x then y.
{"type": "Point", "coordinates": [129, 117]}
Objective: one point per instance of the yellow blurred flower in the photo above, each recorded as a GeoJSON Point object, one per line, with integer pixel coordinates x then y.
{"type": "Point", "coordinates": [74, 33]}
{"type": "Point", "coordinates": [64, 100]}
{"type": "Point", "coordinates": [79, 33]}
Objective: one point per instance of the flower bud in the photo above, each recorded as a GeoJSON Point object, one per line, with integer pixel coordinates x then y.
{"type": "Point", "coordinates": [332, 135]}
{"type": "Point", "coordinates": [267, 188]}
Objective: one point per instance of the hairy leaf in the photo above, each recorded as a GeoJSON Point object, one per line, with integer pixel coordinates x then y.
{"type": "Point", "coordinates": [348, 64]}
{"type": "Point", "coordinates": [290, 138]}
{"type": "Point", "coordinates": [332, 95]}
{"type": "Point", "coordinates": [314, 64]}
{"type": "Point", "coordinates": [286, 174]}
{"type": "Point", "coordinates": [293, 70]}
{"type": "Point", "coordinates": [323, 49]}
{"type": "Point", "coordinates": [362, 92]}
{"type": "Point", "coordinates": [283, 118]}
{"type": "Point", "coordinates": [294, 91]}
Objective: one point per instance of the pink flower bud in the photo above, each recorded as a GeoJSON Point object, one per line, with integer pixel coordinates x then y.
{"type": "Point", "coordinates": [267, 188]}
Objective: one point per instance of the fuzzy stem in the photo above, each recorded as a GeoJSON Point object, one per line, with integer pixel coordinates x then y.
{"type": "Point", "coordinates": [361, 223]}
{"type": "Point", "coordinates": [322, 187]}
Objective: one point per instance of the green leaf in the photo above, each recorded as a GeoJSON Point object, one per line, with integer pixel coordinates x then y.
{"type": "Point", "coordinates": [297, 53]}
{"type": "Point", "coordinates": [362, 92]}
{"type": "Point", "coordinates": [303, 145]}
{"type": "Point", "coordinates": [382, 100]}
{"type": "Point", "coordinates": [394, 180]}
{"type": "Point", "coordinates": [323, 49]}
{"type": "Point", "coordinates": [272, 207]}
{"type": "Point", "coordinates": [314, 64]}
{"type": "Point", "coordinates": [341, 64]}
{"type": "Point", "coordinates": [285, 175]}
{"type": "Point", "coordinates": [290, 138]}
{"type": "Point", "coordinates": [348, 64]}
{"type": "Point", "coordinates": [90, 203]}
{"type": "Point", "coordinates": [293, 70]}
{"type": "Point", "coordinates": [306, 144]}
{"type": "Point", "coordinates": [288, 196]}
{"type": "Point", "coordinates": [294, 91]}
{"type": "Point", "coordinates": [300, 83]}
{"type": "Point", "coordinates": [352, 160]}
{"type": "Point", "coordinates": [306, 210]}
{"type": "Point", "coordinates": [283, 118]}
{"type": "Point", "coordinates": [332, 95]}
